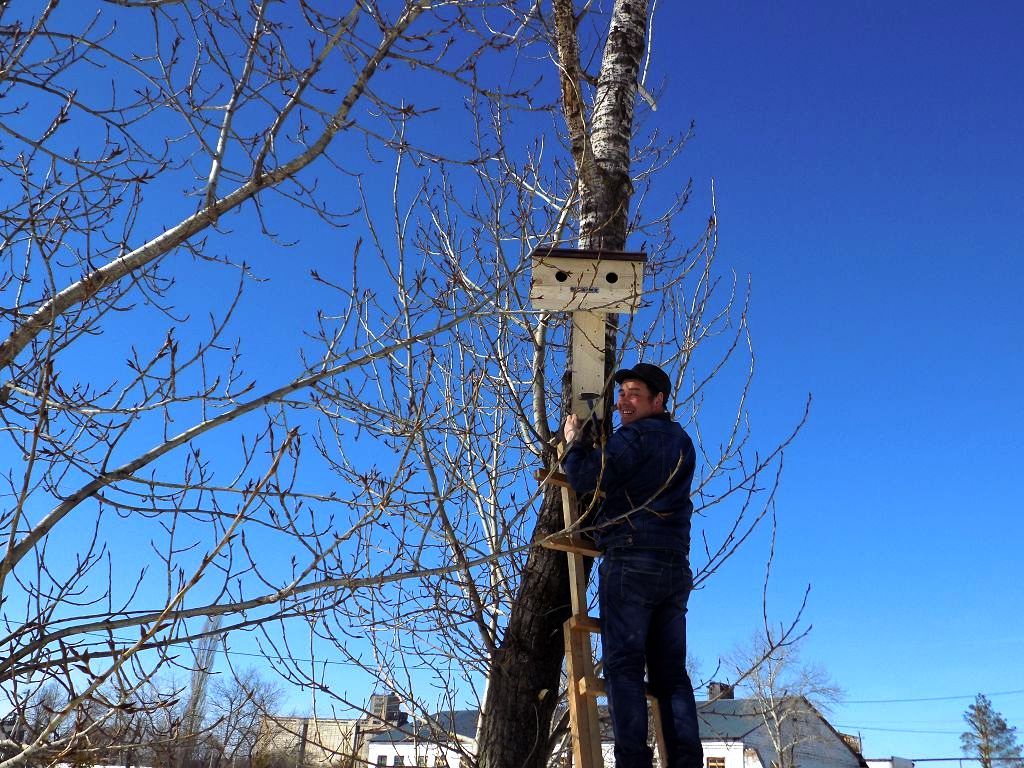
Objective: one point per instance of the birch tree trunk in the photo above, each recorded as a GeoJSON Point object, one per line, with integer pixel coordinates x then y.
{"type": "Point", "coordinates": [516, 727]}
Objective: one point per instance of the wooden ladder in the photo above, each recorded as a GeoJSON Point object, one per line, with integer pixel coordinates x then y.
{"type": "Point", "coordinates": [584, 686]}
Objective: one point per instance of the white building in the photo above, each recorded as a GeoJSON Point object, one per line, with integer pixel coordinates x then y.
{"type": "Point", "coordinates": [890, 762]}
{"type": "Point", "coordinates": [733, 732]}
{"type": "Point", "coordinates": [440, 741]}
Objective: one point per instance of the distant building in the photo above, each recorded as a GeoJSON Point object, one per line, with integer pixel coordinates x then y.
{"type": "Point", "coordinates": [308, 741]}
{"type": "Point", "coordinates": [318, 741]}
{"type": "Point", "coordinates": [890, 762]}
{"type": "Point", "coordinates": [13, 731]}
{"type": "Point", "coordinates": [13, 727]}
{"type": "Point", "coordinates": [384, 712]}
{"type": "Point", "coordinates": [440, 741]}
{"type": "Point", "coordinates": [733, 732]}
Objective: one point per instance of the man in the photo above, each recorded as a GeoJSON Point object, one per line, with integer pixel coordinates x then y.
{"type": "Point", "coordinates": [642, 527]}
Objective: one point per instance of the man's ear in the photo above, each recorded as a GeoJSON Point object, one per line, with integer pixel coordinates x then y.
{"type": "Point", "coordinates": [659, 399]}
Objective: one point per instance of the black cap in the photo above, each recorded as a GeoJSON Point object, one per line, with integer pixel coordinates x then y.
{"type": "Point", "coordinates": [651, 375]}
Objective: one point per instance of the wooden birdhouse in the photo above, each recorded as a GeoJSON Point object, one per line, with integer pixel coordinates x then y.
{"type": "Point", "coordinates": [568, 280]}
{"type": "Point", "coordinates": [590, 285]}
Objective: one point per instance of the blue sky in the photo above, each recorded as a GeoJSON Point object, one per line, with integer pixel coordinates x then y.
{"type": "Point", "coordinates": [867, 164]}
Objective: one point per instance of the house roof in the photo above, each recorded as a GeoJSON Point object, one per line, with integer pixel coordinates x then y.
{"type": "Point", "coordinates": [736, 719]}
{"type": "Point", "coordinates": [462, 722]}
{"type": "Point", "coordinates": [728, 719]}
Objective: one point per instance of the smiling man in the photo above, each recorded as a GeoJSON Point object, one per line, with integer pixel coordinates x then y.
{"type": "Point", "coordinates": [642, 527]}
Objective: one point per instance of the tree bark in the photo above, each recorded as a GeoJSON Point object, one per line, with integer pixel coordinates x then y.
{"type": "Point", "coordinates": [526, 670]}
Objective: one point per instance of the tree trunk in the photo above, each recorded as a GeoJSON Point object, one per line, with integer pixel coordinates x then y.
{"type": "Point", "coordinates": [526, 671]}
{"type": "Point", "coordinates": [604, 206]}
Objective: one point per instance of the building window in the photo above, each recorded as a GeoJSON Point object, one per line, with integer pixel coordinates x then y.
{"type": "Point", "coordinates": [716, 762]}
{"type": "Point", "coordinates": [399, 761]}
{"type": "Point", "coordinates": [382, 759]}
{"type": "Point", "coordinates": [421, 761]}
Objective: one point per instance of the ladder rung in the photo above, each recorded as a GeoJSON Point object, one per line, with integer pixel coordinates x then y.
{"type": "Point", "coordinates": [552, 478]}
{"type": "Point", "coordinates": [569, 542]}
{"type": "Point", "coordinates": [585, 624]}
{"type": "Point", "coordinates": [591, 686]}
{"type": "Point", "coordinates": [594, 686]}
{"type": "Point", "coordinates": [559, 480]}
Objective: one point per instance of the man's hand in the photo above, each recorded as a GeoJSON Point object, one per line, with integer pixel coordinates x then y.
{"type": "Point", "coordinates": [571, 429]}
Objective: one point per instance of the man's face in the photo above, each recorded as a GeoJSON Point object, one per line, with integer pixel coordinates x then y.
{"type": "Point", "coordinates": [637, 402]}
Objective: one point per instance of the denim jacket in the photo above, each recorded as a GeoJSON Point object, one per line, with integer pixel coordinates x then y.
{"type": "Point", "coordinates": [645, 471]}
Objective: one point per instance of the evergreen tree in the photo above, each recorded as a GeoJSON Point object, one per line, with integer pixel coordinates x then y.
{"type": "Point", "coordinates": [989, 736]}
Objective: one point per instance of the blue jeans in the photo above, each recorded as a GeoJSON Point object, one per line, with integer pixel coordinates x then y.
{"type": "Point", "coordinates": [643, 595]}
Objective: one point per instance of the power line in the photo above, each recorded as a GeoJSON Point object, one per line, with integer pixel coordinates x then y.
{"type": "Point", "coordinates": [958, 759]}
{"type": "Point", "coordinates": [331, 662]}
{"type": "Point", "coordinates": [848, 728]}
{"type": "Point", "coordinates": [932, 698]}
{"type": "Point", "coordinates": [273, 657]}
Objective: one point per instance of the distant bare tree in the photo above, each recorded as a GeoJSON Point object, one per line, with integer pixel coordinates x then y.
{"type": "Point", "coordinates": [782, 685]}
{"type": "Point", "coordinates": [237, 706]}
